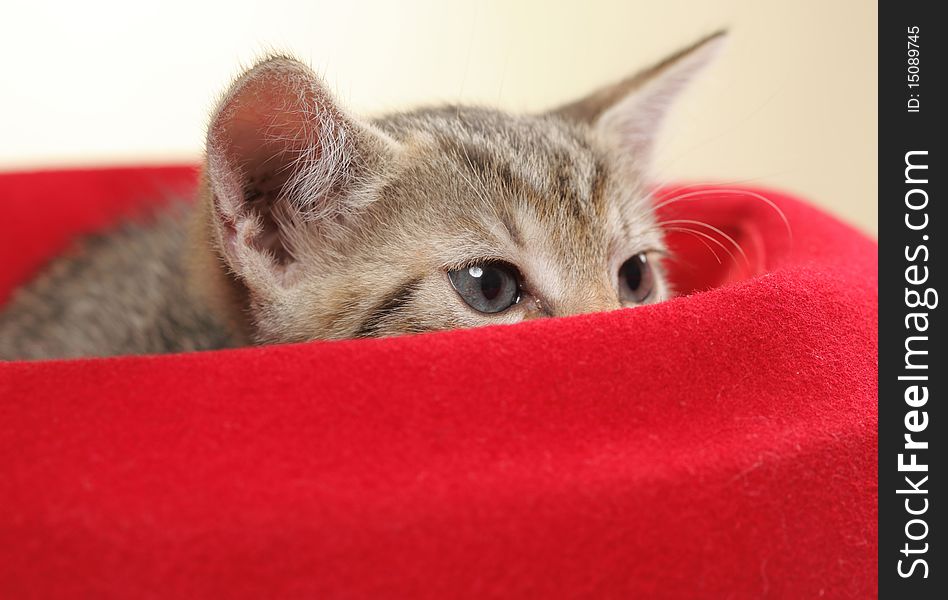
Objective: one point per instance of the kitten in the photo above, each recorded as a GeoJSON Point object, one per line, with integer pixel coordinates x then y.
{"type": "Point", "coordinates": [314, 224]}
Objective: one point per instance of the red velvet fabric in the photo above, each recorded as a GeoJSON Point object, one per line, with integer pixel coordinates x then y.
{"type": "Point", "coordinates": [722, 444]}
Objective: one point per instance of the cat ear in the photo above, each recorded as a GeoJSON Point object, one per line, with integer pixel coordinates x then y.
{"type": "Point", "coordinates": [284, 162]}
{"type": "Point", "coordinates": [631, 111]}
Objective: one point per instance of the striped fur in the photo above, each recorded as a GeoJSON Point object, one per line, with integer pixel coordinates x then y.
{"type": "Point", "coordinates": [312, 224]}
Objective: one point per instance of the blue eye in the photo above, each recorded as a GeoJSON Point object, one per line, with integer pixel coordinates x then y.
{"type": "Point", "coordinates": [635, 279]}
{"type": "Point", "coordinates": [490, 287]}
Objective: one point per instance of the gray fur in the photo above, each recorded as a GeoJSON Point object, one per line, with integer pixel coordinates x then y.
{"type": "Point", "coordinates": [121, 293]}
{"type": "Point", "coordinates": [313, 224]}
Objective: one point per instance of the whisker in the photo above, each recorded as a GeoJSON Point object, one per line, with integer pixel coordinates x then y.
{"type": "Point", "coordinates": [717, 193]}
{"type": "Point", "coordinates": [706, 244]}
{"type": "Point", "coordinates": [712, 228]}
{"type": "Point", "coordinates": [659, 184]}
{"type": "Point", "coordinates": [707, 237]}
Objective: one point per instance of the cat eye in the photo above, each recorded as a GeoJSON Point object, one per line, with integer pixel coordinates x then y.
{"type": "Point", "coordinates": [490, 287]}
{"type": "Point", "coordinates": [635, 279]}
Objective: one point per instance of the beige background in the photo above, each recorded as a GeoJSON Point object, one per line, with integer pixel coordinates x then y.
{"type": "Point", "coordinates": [790, 103]}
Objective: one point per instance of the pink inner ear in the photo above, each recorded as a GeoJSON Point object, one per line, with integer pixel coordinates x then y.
{"type": "Point", "coordinates": [263, 126]}
{"type": "Point", "coordinates": [254, 146]}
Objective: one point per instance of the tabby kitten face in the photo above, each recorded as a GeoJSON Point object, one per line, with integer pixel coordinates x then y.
{"type": "Point", "coordinates": [436, 219]}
